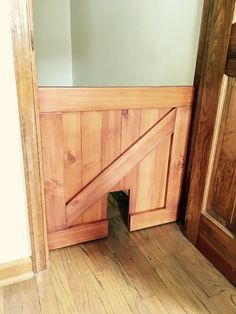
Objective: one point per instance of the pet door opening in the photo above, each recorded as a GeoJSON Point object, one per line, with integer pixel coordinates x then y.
{"type": "Point", "coordinates": [118, 205]}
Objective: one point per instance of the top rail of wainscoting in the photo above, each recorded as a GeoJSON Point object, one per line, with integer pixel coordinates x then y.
{"type": "Point", "coordinates": [64, 99]}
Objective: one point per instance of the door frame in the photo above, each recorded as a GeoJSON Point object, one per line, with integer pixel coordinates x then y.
{"type": "Point", "coordinates": [213, 48]}
{"type": "Point", "coordinates": [26, 84]}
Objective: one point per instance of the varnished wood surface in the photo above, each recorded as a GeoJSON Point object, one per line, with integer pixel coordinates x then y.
{"type": "Point", "coordinates": [150, 271]}
{"type": "Point", "coordinates": [230, 67]}
{"type": "Point", "coordinates": [89, 154]}
{"type": "Point", "coordinates": [24, 56]}
{"type": "Point", "coordinates": [103, 183]}
{"type": "Point", "coordinates": [208, 81]}
{"type": "Point", "coordinates": [54, 99]}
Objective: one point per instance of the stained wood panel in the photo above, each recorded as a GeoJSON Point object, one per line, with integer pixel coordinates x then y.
{"type": "Point", "coordinates": [91, 126]}
{"type": "Point", "coordinates": [52, 138]}
{"type": "Point", "coordinates": [222, 194]}
{"type": "Point", "coordinates": [120, 167]}
{"type": "Point", "coordinates": [72, 153]}
{"type": "Point", "coordinates": [100, 151]}
{"type": "Point", "coordinates": [152, 170]}
{"type": "Point", "coordinates": [54, 99]}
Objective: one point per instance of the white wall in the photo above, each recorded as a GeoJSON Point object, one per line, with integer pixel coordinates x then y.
{"type": "Point", "coordinates": [14, 235]}
{"type": "Point", "coordinates": [134, 42]}
{"type": "Point", "coordinates": [53, 42]}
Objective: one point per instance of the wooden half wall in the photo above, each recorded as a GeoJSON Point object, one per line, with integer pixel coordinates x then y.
{"type": "Point", "coordinates": [98, 140]}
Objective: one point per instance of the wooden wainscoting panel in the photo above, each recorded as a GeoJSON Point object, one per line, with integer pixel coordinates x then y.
{"type": "Point", "coordinates": [130, 132]}
{"type": "Point", "coordinates": [91, 134]}
{"type": "Point", "coordinates": [72, 153]}
{"type": "Point", "coordinates": [15, 271]}
{"type": "Point", "coordinates": [53, 163]}
{"type": "Point", "coordinates": [120, 167]}
{"type": "Point", "coordinates": [152, 218]}
{"type": "Point", "coordinates": [111, 139]}
{"type": "Point", "coordinates": [178, 156]}
{"type": "Point", "coordinates": [54, 99]}
{"type": "Point", "coordinates": [79, 234]}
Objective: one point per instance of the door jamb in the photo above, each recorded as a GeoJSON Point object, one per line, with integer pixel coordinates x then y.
{"type": "Point", "coordinates": [26, 84]}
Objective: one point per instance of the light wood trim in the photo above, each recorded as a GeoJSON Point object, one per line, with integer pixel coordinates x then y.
{"type": "Point", "coordinates": [22, 34]}
{"type": "Point", "coordinates": [152, 218]}
{"type": "Point", "coordinates": [15, 271]}
{"type": "Point", "coordinates": [208, 85]}
{"type": "Point", "coordinates": [53, 99]}
{"type": "Point", "coordinates": [79, 234]}
{"type": "Point", "coordinates": [120, 167]}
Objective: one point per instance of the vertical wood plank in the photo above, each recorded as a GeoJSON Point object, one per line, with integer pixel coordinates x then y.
{"type": "Point", "coordinates": [111, 138]}
{"type": "Point", "coordinates": [177, 157]}
{"type": "Point", "coordinates": [147, 165]}
{"type": "Point", "coordinates": [152, 171]}
{"type": "Point", "coordinates": [91, 132]}
{"type": "Point", "coordinates": [160, 177]}
{"type": "Point", "coordinates": [129, 134]}
{"type": "Point", "coordinates": [72, 153]}
{"type": "Point", "coordinates": [53, 162]}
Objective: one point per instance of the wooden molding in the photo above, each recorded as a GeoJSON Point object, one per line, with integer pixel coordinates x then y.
{"type": "Point", "coordinates": [152, 218]}
{"type": "Point", "coordinates": [15, 271]}
{"type": "Point", "coordinates": [55, 99]}
{"type": "Point", "coordinates": [230, 67]}
{"type": "Point", "coordinates": [120, 167]}
{"type": "Point", "coordinates": [216, 33]}
{"type": "Point", "coordinates": [29, 118]}
{"type": "Point", "coordinates": [79, 234]}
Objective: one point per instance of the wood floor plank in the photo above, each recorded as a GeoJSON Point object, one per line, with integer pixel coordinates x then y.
{"type": "Point", "coordinates": [1, 301]}
{"type": "Point", "coordinates": [155, 270]}
{"type": "Point", "coordinates": [21, 298]}
{"type": "Point", "coordinates": [47, 295]}
{"type": "Point", "coordinates": [146, 281]}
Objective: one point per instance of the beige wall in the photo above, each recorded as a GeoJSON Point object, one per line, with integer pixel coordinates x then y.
{"type": "Point", "coordinates": [53, 42]}
{"type": "Point", "coordinates": [14, 235]}
{"type": "Point", "coordinates": [134, 42]}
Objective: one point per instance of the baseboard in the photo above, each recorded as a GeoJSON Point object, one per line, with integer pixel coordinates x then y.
{"type": "Point", "coordinates": [15, 271]}
{"type": "Point", "coordinates": [82, 233]}
{"type": "Point", "coordinates": [221, 263]}
{"type": "Point", "coordinates": [152, 218]}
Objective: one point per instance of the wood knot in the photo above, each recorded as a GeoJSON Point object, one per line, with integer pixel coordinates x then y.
{"type": "Point", "coordinates": [71, 158]}
{"type": "Point", "coordinates": [125, 113]}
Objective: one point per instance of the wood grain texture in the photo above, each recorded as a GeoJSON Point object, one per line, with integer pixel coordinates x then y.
{"type": "Point", "coordinates": [177, 157]}
{"type": "Point", "coordinates": [120, 167]}
{"type": "Point", "coordinates": [24, 56]}
{"type": "Point", "coordinates": [79, 234]}
{"type": "Point", "coordinates": [91, 137]}
{"type": "Point", "coordinates": [222, 192]}
{"type": "Point", "coordinates": [230, 66]}
{"type": "Point", "coordinates": [152, 218]}
{"type": "Point", "coordinates": [152, 170]}
{"type": "Point", "coordinates": [72, 153]}
{"type": "Point", "coordinates": [208, 92]}
{"type": "Point", "coordinates": [53, 157]}
{"type": "Point", "coordinates": [15, 271]}
{"type": "Point", "coordinates": [155, 270]}
{"type": "Point", "coordinates": [130, 132]}
{"type": "Point", "coordinates": [53, 99]}
{"type": "Point", "coordinates": [218, 246]}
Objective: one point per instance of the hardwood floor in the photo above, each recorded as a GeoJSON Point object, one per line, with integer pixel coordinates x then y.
{"type": "Point", "coordinates": [150, 271]}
